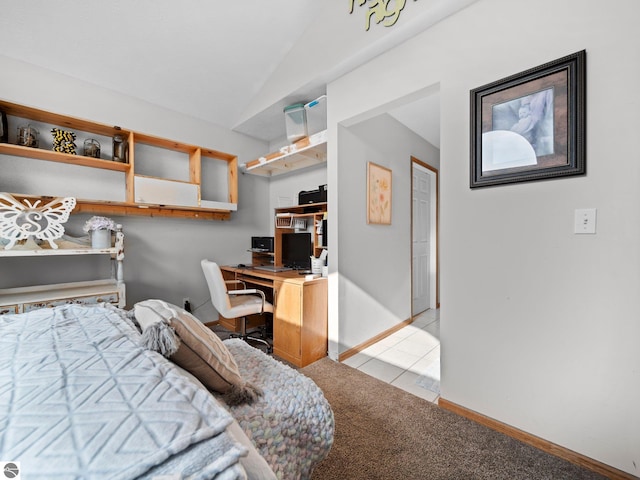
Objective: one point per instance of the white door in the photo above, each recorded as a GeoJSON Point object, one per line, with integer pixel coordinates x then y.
{"type": "Point", "coordinates": [422, 217]}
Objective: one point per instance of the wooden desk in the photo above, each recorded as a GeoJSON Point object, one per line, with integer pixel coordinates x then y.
{"type": "Point", "coordinates": [299, 311]}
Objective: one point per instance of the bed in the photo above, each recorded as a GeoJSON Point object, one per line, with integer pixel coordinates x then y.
{"type": "Point", "coordinates": [85, 395]}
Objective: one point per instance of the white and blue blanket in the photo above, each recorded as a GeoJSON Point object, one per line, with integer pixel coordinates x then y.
{"type": "Point", "coordinates": [80, 399]}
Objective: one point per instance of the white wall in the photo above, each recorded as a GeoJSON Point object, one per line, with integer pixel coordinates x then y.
{"type": "Point", "coordinates": [308, 64]}
{"type": "Point", "coordinates": [539, 327]}
{"type": "Point", "coordinates": [162, 255]}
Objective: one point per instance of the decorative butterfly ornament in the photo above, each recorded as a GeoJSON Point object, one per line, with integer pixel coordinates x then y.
{"type": "Point", "coordinates": [19, 221]}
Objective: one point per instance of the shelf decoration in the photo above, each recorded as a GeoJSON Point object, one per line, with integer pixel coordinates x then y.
{"type": "Point", "coordinates": [91, 148]}
{"type": "Point", "coordinates": [63, 141]}
{"type": "Point", "coordinates": [100, 229]}
{"type": "Point", "coordinates": [19, 221]}
{"type": "Point", "coordinates": [4, 128]}
{"type": "Point", "coordinates": [28, 136]}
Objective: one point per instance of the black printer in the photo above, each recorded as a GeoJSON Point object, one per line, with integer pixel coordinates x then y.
{"type": "Point", "coordinates": [313, 196]}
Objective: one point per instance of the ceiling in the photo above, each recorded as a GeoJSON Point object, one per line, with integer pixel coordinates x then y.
{"type": "Point", "coordinates": [234, 64]}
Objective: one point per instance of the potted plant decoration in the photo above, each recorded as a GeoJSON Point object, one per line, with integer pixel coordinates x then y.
{"type": "Point", "coordinates": [100, 229]}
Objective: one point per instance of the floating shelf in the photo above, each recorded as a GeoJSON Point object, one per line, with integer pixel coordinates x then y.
{"type": "Point", "coordinates": [47, 251]}
{"type": "Point", "coordinates": [144, 195]}
{"type": "Point", "coordinates": [51, 156]}
{"type": "Point", "coordinates": [304, 153]}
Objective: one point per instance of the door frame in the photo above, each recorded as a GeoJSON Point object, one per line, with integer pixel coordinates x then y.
{"type": "Point", "coordinates": [435, 171]}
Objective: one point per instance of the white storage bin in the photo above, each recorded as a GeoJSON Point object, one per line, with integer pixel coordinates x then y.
{"type": "Point", "coordinates": [159, 191]}
{"type": "Point", "coordinates": [316, 115]}
{"type": "Point", "coordinates": [295, 121]}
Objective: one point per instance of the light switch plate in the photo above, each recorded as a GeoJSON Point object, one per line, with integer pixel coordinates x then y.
{"type": "Point", "coordinates": [585, 221]}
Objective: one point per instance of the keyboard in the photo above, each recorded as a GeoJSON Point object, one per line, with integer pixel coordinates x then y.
{"type": "Point", "coordinates": [271, 268]}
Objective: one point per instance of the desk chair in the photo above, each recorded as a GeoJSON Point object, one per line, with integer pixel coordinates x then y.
{"type": "Point", "coordinates": [235, 303]}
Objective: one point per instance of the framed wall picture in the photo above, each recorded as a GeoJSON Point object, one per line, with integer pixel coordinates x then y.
{"type": "Point", "coordinates": [378, 194]}
{"type": "Point", "coordinates": [530, 126]}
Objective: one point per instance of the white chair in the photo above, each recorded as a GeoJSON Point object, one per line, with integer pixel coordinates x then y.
{"type": "Point", "coordinates": [235, 303]}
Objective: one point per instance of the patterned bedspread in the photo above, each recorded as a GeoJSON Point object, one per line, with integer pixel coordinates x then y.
{"type": "Point", "coordinates": [292, 424]}
{"type": "Point", "coordinates": [80, 399]}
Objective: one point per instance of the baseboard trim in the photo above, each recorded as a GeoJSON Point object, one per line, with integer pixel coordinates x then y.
{"type": "Point", "coordinates": [358, 348]}
{"type": "Point", "coordinates": [537, 442]}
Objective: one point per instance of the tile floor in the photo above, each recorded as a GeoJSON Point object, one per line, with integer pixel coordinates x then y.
{"type": "Point", "coordinates": [403, 357]}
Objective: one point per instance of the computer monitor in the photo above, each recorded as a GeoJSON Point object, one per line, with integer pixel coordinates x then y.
{"type": "Point", "coordinates": [297, 250]}
{"type": "Point", "coordinates": [262, 244]}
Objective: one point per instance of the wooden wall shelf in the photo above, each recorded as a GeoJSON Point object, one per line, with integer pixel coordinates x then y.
{"type": "Point", "coordinates": [304, 153]}
{"type": "Point", "coordinates": [51, 156]}
{"type": "Point", "coordinates": [193, 206]}
{"type": "Point", "coordinates": [117, 208]}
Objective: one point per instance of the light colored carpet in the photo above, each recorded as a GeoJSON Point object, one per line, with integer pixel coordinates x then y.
{"type": "Point", "coordinates": [384, 433]}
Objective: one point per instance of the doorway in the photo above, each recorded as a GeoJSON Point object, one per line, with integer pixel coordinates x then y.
{"type": "Point", "coordinates": [424, 237]}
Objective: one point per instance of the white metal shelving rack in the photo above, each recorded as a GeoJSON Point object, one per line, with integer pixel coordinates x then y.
{"type": "Point", "coordinates": [111, 290]}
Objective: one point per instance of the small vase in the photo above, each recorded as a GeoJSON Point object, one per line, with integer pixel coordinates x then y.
{"type": "Point", "coordinates": [101, 239]}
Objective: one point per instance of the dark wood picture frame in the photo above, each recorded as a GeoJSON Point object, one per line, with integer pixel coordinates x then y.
{"type": "Point", "coordinates": [530, 126]}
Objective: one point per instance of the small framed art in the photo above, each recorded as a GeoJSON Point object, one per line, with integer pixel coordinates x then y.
{"type": "Point", "coordinates": [530, 126]}
{"type": "Point", "coordinates": [378, 194]}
